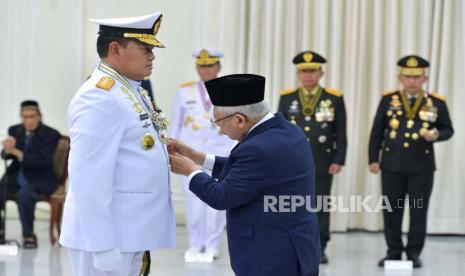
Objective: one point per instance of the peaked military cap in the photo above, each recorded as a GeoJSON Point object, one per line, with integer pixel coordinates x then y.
{"type": "Point", "coordinates": [142, 28]}
{"type": "Point", "coordinates": [413, 65]}
{"type": "Point", "coordinates": [308, 60]}
{"type": "Point", "coordinates": [207, 56]}
{"type": "Point", "coordinates": [237, 89]}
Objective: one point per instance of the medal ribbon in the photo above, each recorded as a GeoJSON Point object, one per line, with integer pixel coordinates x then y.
{"type": "Point", "coordinates": [207, 104]}
{"type": "Point", "coordinates": [411, 112]}
{"type": "Point", "coordinates": [310, 102]}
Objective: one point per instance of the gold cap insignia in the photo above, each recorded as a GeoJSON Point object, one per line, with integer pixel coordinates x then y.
{"type": "Point", "coordinates": [412, 62]}
{"type": "Point", "coordinates": [308, 57]}
{"type": "Point", "coordinates": [204, 54]}
{"type": "Point", "coordinates": [204, 58]}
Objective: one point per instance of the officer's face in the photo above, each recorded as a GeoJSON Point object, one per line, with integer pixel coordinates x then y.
{"type": "Point", "coordinates": [412, 84]}
{"type": "Point", "coordinates": [309, 78]}
{"type": "Point", "coordinates": [208, 72]}
{"type": "Point", "coordinates": [30, 118]}
{"type": "Point", "coordinates": [136, 60]}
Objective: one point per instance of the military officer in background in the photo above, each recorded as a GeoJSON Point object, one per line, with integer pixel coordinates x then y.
{"type": "Point", "coordinates": [119, 203]}
{"type": "Point", "coordinates": [407, 124]}
{"type": "Point", "coordinates": [321, 114]}
{"type": "Point", "coordinates": [191, 123]}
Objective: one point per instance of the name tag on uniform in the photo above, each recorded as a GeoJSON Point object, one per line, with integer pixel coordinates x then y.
{"type": "Point", "coordinates": [144, 116]}
{"type": "Point", "coordinates": [191, 102]}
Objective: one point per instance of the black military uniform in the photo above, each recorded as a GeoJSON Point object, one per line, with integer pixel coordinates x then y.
{"type": "Point", "coordinates": [321, 115]}
{"type": "Point", "coordinates": [407, 159]}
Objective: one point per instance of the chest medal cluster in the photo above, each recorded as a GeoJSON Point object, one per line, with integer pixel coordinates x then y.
{"type": "Point", "coordinates": [401, 110]}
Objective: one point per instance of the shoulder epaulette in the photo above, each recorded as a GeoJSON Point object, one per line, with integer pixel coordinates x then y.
{"type": "Point", "coordinates": [188, 83]}
{"type": "Point", "coordinates": [334, 92]}
{"type": "Point", "coordinates": [287, 91]}
{"type": "Point", "coordinates": [105, 83]}
{"type": "Point", "coordinates": [390, 92]}
{"type": "Point", "coordinates": [437, 96]}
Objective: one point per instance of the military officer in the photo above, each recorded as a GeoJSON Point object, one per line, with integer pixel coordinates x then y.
{"type": "Point", "coordinates": [407, 124]}
{"type": "Point", "coordinates": [191, 123]}
{"type": "Point", "coordinates": [321, 114]}
{"type": "Point", "coordinates": [119, 203]}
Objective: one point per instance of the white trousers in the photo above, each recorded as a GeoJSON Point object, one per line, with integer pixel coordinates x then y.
{"type": "Point", "coordinates": [205, 225]}
{"type": "Point", "coordinates": [82, 264]}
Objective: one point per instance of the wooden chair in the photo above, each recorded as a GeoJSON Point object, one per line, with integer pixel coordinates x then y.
{"type": "Point", "coordinates": [57, 199]}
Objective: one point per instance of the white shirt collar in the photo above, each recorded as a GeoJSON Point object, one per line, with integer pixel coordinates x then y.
{"type": "Point", "coordinates": [134, 84]}
{"type": "Point", "coordinates": [264, 119]}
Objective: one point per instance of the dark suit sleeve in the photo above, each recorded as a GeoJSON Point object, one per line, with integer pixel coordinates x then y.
{"type": "Point", "coordinates": [377, 135]}
{"type": "Point", "coordinates": [11, 132]}
{"type": "Point", "coordinates": [341, 133]}
{"type": "Point", "coordinates": [42, 157]}
{"type": "Point", "coordinates": [249, 174]}
{"type": "Point", "coordinates": [444, 124]}
{"type": "Point", "coordinates": [218, 167]}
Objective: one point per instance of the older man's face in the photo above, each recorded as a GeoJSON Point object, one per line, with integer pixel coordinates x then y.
{"type": "Point", "coordinates": [232, 125]}
{"type": "Point", "coordinates": [31, 118]}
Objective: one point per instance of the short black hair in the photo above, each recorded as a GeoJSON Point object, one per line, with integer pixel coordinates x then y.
{"type": "Point", "coordinates": [103, 43]}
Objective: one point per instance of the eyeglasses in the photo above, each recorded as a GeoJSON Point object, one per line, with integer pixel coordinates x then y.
{"type": "Point", "coordinates": [214, 123]}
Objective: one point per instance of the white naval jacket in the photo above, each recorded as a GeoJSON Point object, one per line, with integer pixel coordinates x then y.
{"type": "Point", "coordinates": [119, 193]}
{"type": "Point", "coordinates": [190, 121]}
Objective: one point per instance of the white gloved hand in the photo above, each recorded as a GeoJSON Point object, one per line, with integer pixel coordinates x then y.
{"type": "Point", "coordinates": [107, 260]}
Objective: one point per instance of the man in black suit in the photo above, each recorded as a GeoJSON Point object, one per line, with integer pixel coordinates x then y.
{"type": "Point", "coordinates": [407, 124]}
{"type": "Point", "coordinates": [31, 146]}
{"type": "Point", "coordinates": [320, 112]}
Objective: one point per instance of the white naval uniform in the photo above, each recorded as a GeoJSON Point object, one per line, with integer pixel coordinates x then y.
{"type": "Point", "coordinates": [120, 195]}
{"type": "Point", "coordinates": [190, 123]}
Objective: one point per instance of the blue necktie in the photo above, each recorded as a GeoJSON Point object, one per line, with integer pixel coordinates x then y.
{"type": "Point", "coordinates": [21, 178]}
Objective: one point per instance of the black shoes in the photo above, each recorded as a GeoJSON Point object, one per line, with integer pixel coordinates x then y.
{"type": "Point", "coordinates": [416, 261]}
{"type": "Point", "coordinates": [388, 258]}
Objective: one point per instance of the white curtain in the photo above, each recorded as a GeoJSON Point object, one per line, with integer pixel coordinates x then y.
{"type": "Point", "coordinates": [48, 49]}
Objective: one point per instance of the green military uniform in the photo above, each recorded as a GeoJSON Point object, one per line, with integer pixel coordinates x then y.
{"type": "Point", "coordinates": [321, 114]}
{"type": "Point", "coordinates": [407, 159]}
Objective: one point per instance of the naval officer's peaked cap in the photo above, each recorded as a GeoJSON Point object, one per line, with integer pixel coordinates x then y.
{"type": "Point", "coordinates": [141, 28]}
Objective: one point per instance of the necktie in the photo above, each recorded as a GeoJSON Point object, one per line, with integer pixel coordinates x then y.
{"type": "Point", "coordinates": [412, 101]}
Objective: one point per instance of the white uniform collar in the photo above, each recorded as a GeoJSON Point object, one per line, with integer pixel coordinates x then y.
{"type": "Point", "coordinates": [133, 83]}
{"type": "Point", "coordinates": [264, 119]}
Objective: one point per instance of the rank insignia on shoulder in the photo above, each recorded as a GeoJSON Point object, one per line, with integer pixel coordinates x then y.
{"type": "Point", "coordinates": [437, 96]}
{"type": "Point", "coordinates": [389, 92]}
{"type": "Point", "coordinates": [105, 83]}
{"type": "Point", "coordinates": [287, 91]}
{"type": "Point", "coordinates": [186, 84]}
{"type": "Point", "coordinates": [334, 92]}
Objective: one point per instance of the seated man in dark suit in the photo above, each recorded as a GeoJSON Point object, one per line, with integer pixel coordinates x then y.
{"type": "Point", "coordinates": [30, 146]}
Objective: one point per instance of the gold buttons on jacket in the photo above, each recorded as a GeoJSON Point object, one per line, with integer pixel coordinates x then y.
{"type": "Point", "coordinates": [406, 145]}
{"type": "Point", "coordinates": [407, 135]}
{"type": "Point", "coordinates": [307, 129]}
